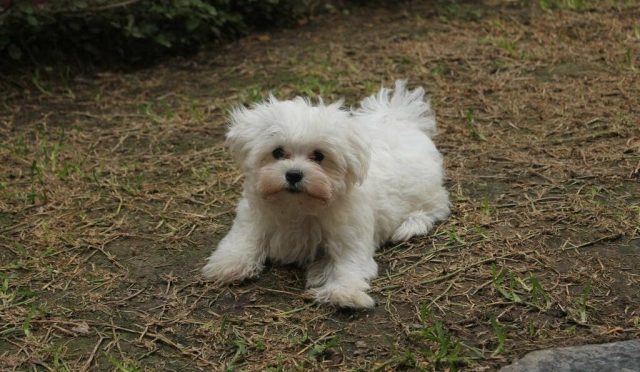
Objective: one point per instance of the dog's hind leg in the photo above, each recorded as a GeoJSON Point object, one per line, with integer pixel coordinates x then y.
{"type": "Point", "coordinates": [420, 222]}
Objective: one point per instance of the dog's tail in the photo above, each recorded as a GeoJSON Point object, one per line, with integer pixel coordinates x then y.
{"type": "Point", "coordinates": [404, 106]}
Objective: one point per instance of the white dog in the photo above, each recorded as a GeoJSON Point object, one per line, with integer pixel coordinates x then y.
{"type": "Point", "coordinates": [324, 187]}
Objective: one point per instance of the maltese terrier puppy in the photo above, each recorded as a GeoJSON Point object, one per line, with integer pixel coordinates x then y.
{"type": "Point", "coordinates": [324, 187]}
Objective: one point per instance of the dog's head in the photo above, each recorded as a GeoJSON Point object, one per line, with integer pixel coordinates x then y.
{"type": "Point", "coordinates": [293, 149]}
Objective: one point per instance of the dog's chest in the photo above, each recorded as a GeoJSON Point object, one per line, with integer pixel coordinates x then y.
{"type": "Point", "coordinates": [295, 242]}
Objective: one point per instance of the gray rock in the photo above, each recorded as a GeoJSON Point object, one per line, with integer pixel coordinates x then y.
{"type": "Point", "coordinates": [621, 356]}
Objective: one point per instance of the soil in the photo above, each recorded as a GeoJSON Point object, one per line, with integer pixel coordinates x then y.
{"type": "Point", "coordinates": [115, 187]}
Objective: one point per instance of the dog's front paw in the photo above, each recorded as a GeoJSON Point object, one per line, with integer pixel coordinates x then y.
{"type": "Point", "coordinates": [340, 296]}
{"type": "Point", "coordinates": [224, 269]}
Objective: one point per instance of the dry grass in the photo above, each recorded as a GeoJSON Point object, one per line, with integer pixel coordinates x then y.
{"type": "Point", "coordinates": [115, 187]}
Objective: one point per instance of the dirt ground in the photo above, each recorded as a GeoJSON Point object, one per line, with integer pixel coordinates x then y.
{"type": "Point", "coordinates": [114, 188]}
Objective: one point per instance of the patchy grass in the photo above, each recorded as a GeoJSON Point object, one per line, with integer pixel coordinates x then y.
{"type": "Point", "coordinates": [563, 4]}
{"type": "Point", "coordinates": [114, 188]}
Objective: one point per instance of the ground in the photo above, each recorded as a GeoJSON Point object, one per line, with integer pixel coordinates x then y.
{"type": "Point", "coordinates": [115, 187]}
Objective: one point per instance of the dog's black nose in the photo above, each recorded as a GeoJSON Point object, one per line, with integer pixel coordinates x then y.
{"type": "Point", "coordinates": [293, 176]}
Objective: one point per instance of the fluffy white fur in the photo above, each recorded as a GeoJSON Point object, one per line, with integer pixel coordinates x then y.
{"type": "Point", "coordinates": [378, 177]}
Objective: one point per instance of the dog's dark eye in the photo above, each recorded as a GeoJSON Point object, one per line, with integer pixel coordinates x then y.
{"type": "Point", "coordinates": [278, 153]}
{"type": "Point", "coordinates": [317, 156]}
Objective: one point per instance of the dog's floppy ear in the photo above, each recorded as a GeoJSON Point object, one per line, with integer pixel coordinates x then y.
{"type": "Point", "coordinates": [240, 133]}
{"type": "Point", "coordinates": [246, 125]}
{"type": "Point", "coordinates": [358, 155]}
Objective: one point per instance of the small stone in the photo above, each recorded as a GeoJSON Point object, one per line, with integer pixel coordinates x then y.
{"type": "Point", "coordinates": [361, 344]}
{"type": "Point", "coordinates": [336, 358]}
{"type": "Point", "coordinates": [81, 328]}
